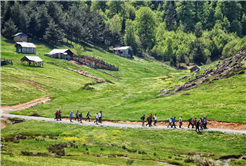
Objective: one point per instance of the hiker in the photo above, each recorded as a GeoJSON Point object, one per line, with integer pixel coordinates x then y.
{"type": "Point", "coordinates": [197, 124]}
{"type": "Point", "coordinates": [205, 122]}
{"type": "Point", "coordinates": [155, 120]}
{"type": "Point", "coordinates": [88, 116]}
{"type": "Point", "coordinates": [201, 124]}
{"type": "Point", "coordinates": [194, 122]}
{"type": "Point", "coordinates": [80, 117]}
{"type": "Point", "coordinates": [170, 122]}
{"type": "Point", "coordinates": [143, 118]}
{"type": "Point", "coordinates": [180, 121]}
{"type": "Point", "coordinates": [173, 119]}
{"type": "Point", "coordinates": [71, 116]}
{"type": "Point", "coordinates": [190, 122]}
{"type": "Point", "coordinates": [100, 117]}
{"type": "Point", "coordinates": [77, 115]}
{"type": "Point", "coordinates": [96, 116]}
{"type": "Point", "coordinates": [59, 116]}
{"type": "Point", "coordinates": [149, 119]}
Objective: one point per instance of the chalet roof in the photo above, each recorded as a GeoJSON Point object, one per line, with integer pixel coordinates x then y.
{"type": "Point", "coordinates": [121, 48]}
{"type": "Point", "coordinates": [25, 44]}
{"type": "Point", "coordinates": [20, 34]}
{"type": "Point", "coordinates": [56, 51]}
{"type": "Point", "coordinates": [32, 58]}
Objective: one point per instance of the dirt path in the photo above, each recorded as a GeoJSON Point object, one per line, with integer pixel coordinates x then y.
{"type": "Point", "coordinates": [212, 125]}
{"type": "Point", "coordinates": [5, 122]}
{"type": "Point", "coordinates": [18, 107]}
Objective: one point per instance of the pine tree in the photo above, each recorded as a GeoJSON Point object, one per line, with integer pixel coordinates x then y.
{"type": "Point", "coordinates": [244, 24]}
{"type": "Point", "coordinates": [53, 33]}
{"type": "Point", "coordinates": [236, 26]}
{"type": "Point", "coordinates": [43, 18]}
{"type": "Point", "coordinates": [171, 17]}
{"type": "Point", "coordinates": [9, 28]}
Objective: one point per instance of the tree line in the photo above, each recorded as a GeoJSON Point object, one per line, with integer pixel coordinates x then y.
{"type": "Point", "coordinates": [178, 32]}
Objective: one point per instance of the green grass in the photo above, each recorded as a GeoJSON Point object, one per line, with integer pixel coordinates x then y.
{"type": "Point", "coordinates": [157, 145]}
{"type": "Point", "coordinates": [125, 99]}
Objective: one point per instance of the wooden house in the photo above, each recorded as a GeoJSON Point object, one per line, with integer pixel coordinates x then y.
{"type": "Point", "coordinates": [126, 51]}
{"type": "Point", "coordinates": [20, 37]}
{"type": "Point", "coordinates": [61, 54]}
{"type": "Point", "coordinates": [25, 48]}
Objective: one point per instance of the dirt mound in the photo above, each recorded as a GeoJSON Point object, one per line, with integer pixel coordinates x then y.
{"type": "Point", "coordinates": [229, 67]}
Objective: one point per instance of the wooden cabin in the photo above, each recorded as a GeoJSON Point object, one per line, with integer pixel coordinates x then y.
{"type": "Point", "coordinates": [25, 48]}
{"type": "Point", "coordinates": [61, 54]}
{"type": "Point", "coordinates": [20, 37]}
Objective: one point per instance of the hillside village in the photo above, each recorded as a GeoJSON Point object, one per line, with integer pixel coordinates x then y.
{"type": "Point", "coordinates": [123, 83]}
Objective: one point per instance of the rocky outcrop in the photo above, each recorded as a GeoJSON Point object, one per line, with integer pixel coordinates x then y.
{"type": "Point", "coordinates": [225, 69]}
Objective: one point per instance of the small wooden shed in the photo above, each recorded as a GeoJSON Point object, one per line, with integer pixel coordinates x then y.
{"type": "Point", "coordinates": [25, 48]}
{"type": "Point", "coordinates": [126, 51]}
{"type": "Point", "coordinates": [20, 37]}
{"type": "Point", "coordinates": [32, 61]}
{"type": "Point", "coordinates": [61, 54]}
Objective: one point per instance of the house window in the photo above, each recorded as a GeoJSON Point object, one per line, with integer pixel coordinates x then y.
{"type": "Point", "coordinates": [21, 37]}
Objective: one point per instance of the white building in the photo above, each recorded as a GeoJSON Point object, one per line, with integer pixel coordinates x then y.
{"type": "Point", "coordinates": [60, 54]}
{"type": "Point", "coordinates": [126, 51]}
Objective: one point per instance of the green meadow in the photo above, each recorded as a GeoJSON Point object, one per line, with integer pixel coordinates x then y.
{"type": "Point", "coordinates": [107, 146]}
{"type": "Point", "coordinates": [126, 99]}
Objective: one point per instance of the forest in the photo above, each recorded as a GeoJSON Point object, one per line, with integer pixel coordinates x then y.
{"type": "Point", "coordinates": [177, 32]}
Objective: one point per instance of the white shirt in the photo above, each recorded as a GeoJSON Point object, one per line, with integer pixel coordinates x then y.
{"type": "Point", "coordinates": [180, 119]}
{"type": "Point", "coordinates": [96, 116]}
{"type": "Point", "coordinates": [100, 115]}
{"type": "Point", "coordinates": [155, 118]}
{"type": "Point", "coordinates": [170, 120]}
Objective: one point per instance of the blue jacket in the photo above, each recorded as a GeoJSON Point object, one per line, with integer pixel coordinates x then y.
{"type": "Point", "coordinates": [71, 114]}
{"type": "Point", "coordinates": [173, 119]}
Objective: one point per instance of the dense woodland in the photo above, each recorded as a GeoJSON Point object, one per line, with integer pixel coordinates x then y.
{"type": "Point", "coordinates": [177, 32]}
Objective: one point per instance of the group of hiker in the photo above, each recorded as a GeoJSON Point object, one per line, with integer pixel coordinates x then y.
{"type": "Point", "coordinates": [149, 120]}
{"type": "Point", "coordinates": [202, 122]}
{"type": "Point", "coordinates": [198, 123]}
{"type": "Point", "coordinates": [79, 116]}
{"type": "Point", "coordinates": [194, 122]}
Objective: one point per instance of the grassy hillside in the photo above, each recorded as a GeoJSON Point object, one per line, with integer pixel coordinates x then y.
{"type": "Point", "coordinates": [125, 99]}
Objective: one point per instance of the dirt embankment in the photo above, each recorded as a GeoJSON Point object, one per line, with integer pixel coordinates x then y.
{"type": "Point", "coordinates": [5, 122]}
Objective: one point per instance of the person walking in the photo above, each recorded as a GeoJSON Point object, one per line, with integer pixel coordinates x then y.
{"type": "Point", "coordinates": [205, 122]}
{"type": "Point", "coordinates": [80, 117]}
{"type": "Point", "coordinates": [149, 120]}
{"type": "Point", "coordinates": [201, 124]}
{"type": "Point", "coordinates": [88, 116]}
{"type": "Point", "coordinates": [155, 120]}
{"type": "Point", "coordinates": [59, 116]}
{"type": "Point", "coordinates": [180, 121]}
{"type": "Point", "coordinates": [190, 122]}
{"type": "Point", "coordinates": [194, 122]}
{"type": "Point", "coordinates": [100, 117]}
{"type": "Point", "coordinates": [71, 116]}
{"type": "Point", "coordinates": [143, 118]}
{"type": "Point", "coordinates": [173, 119]}
{"type": "Point", "coordinates": [197, 124]}
{"type": "Point", "coordinates": [170, 122]}
{"type": "Point", "coordinates": [77, 115]}
{"type": "Point", "coordinates": [96, 116]}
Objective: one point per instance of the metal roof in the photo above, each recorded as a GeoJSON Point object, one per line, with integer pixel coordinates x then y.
{"type": "Point", "coordinates": [32, 58]}
{"type": "Point", "coordinates": [56, 51]}
{"type": "Point", "coordinates": [20, 34]}
{"type": "Point", "coordinates": [122, 48]}
{"type": "Point", "coordinates": [25, 44]}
